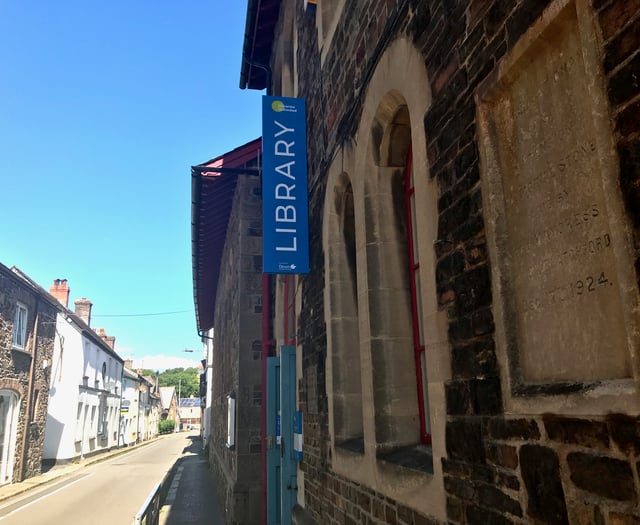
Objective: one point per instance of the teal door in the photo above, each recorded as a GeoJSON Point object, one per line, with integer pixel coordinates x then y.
{"type": "Point", "coordinates": [273, 437]}
{"type": "Point", "coordinates": [289, 480]}
{"type": "Point", "coordinates": [281, 458]}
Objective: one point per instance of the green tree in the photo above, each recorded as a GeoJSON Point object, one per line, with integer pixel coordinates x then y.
{"type": "Point", "coordinates": [166, 425]}
{"type": "Point", "coordinates": [185, 380]}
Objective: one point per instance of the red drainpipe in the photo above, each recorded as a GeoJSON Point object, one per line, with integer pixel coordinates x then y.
{"type": "Point", "coordinates": [266, 349]}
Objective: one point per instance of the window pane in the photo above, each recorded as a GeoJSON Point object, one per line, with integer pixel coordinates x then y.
{"type": "Point", "coordinates": [20, 327]}
{"type": "Point", "coordinates": [425, 394]}
{"type": "Point", "coordinates": [411, 180]}
{"type": "Point", "coordinates": [78, 433]}
{"type": "Point", "coordinates": [414, 228]}
{"type": "Point", "coordinates": [418, 299]}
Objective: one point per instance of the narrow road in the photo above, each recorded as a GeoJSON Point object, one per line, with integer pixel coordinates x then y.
{"type": "Point", "coordinates": [105, 493]}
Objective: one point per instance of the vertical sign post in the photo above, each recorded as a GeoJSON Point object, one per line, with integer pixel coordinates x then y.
{"type": "Point", "coordinates": [285, 214]}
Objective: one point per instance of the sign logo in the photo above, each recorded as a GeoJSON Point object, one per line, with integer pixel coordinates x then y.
{"type": "Point", "coordinates": [279, 106]}
{"type": "Point", "coordinates": [285, 215]}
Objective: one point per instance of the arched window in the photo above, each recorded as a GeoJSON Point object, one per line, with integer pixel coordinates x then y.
{"type": "Point", "coordinates": [393, 283]}
{"type": "Point", "coordinates": [402, 334]}
{"type": "Point", "coordinates": [342, 310]}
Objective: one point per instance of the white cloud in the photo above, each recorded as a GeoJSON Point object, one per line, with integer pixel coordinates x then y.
{"type": "Point", "coordinates": [163, 362]}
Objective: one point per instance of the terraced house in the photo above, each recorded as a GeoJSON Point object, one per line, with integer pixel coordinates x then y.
{"type": "Point", "coordinates": [85, 386]}
{"type": "Point", "coordinates": [27, 332]}
{"type": "Point", "coordinates": [464, 346]}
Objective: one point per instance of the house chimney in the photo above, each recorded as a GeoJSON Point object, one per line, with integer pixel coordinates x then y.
{"type": "Point", "coordinates": [60, 291]}
{"type": "Point", "coordinates": [83, 310]}
{"type": "Point", "coordinates": [109, 339]}
{"type": "Point", "coordinates": [128, 363]}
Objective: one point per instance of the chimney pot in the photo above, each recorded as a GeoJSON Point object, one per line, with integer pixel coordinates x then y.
{"type": "Point", "coordinates": [109, 339]}
{"type": "Point", "coordinates": [60, 291]}
{"type": "Point", "coordinates": [83, 310]}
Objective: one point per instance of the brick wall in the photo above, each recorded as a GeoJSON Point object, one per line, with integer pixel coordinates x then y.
{"type": "Point", "coordinates": [499, 469]}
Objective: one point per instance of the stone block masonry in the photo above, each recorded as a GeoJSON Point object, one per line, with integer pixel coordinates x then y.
{"type": "Point", "coordinates": [501, 466]}
{"type": "Point", "coordinates": [24, 372]}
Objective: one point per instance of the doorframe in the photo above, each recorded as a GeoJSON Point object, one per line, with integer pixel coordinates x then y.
{"type": "Point", "coordinates": [10, 423]}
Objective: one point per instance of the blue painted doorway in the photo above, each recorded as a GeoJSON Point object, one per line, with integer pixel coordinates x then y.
{"type": "Point", "coordinates": [281, 459]}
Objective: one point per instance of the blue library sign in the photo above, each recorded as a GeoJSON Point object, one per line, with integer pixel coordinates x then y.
{"type": "Point", "coordinates": [285, 214]}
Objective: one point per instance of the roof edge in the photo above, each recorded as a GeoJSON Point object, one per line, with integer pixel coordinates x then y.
{"type": "Point", "coordinates": [247, 52]}
{"type": "Point", "coordinates": [262, 16]}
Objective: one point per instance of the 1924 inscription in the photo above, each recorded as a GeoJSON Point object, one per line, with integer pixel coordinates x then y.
{"type": "Point", "coordinates": [564, 303]}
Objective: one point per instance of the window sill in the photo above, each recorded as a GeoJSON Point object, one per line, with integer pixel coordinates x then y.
{"type": "Point", "coordinates": [20, 351]}
{"type": "Point", "coordinates": [355, 445]}
{"type": "Point", "coordinates": [414, 457]}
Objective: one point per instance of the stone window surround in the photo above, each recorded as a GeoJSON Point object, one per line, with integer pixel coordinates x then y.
{"type": "Point", "coordinates": [343, 326]}
{"type": "Point", "coordinates": [401, 74]}
{"type": "Point", "coordinates": [285, 83]}
{"type": "Point", "coordinates": [328, 14]}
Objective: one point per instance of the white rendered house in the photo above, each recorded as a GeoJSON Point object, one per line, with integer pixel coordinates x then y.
{"type": "Point", "coordinates": [207, 398]}
{"type": "Point", "coordinates": [140, 407]}
{"type": "Point", "coordinates": [85, 388]}
{"type": "Point", "coordinates": [130, 408]}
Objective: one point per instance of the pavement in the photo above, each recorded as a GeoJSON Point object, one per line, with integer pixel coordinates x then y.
{"type": "Point", "coordinates": [191, 497]}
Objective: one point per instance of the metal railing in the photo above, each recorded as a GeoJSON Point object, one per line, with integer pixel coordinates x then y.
{"type": "Point", "coordinates": [149, 513]}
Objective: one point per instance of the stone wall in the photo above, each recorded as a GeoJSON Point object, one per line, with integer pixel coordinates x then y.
{"type": "Point", "coordinates": [501, 468]}
{"type": "Point", "coordinates": [16, 366]}
{"type": "Point", "coordinates": [236, 370]}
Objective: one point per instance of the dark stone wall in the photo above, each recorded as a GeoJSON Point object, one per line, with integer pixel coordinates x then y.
{"type": "Point", "coordinates": [236, 367]}
{"type": "Point", "coordinates": [499, 469]}
{"type": "Point", "coordinates": [16, 372]}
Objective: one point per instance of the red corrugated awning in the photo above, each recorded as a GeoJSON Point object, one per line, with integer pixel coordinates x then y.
{"type": "Point", "coordinates": [211, 200]}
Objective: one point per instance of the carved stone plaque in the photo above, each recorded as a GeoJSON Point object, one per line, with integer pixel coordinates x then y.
{"type": "Point", "coordinates": [554, 211]}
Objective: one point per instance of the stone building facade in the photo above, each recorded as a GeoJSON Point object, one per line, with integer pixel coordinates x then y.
{"type": "Point", "coordinates": [467, 336]}
{"type": "Point", "coordinates": [227, 236]}
{"type": "Point", "coordinates": [27, 332]}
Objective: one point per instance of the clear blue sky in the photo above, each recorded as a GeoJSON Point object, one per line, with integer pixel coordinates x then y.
{"type": "Point", "coordinates": [104, 106]}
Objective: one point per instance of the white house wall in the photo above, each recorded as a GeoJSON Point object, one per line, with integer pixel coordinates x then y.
{"type": "Point", "coordinates": [206, 415]}
{"type": "Point", "coordinates": [76, 386]}
{"type": "Point", "coordinates": [63, 392]}
{"type": "Point", "coordinates": [129, 420]}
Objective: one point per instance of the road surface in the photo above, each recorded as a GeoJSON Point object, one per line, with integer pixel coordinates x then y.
{"type": "Point", "coordinates": [104, 493]}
